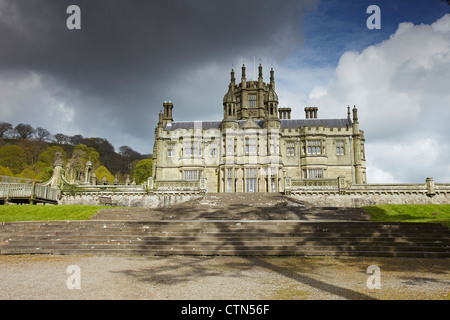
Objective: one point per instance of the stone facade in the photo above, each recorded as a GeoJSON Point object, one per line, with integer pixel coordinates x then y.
{"type": "Point", "coordinates": [257, 145]}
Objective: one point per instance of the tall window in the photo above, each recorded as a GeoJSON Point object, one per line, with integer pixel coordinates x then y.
{"type": "Point", "coordinates": [314, 147]}
{"type": "Point", "coordinates": [252, 100]}
{"type": "Point", "coordinates": [250, 146]}
{"type": "Point", "coordinates": [250, 180]}
{"type": "Point", "coordinates": [272, 180]}
{"type": "Point", "coordinates": [188, 151]}
{"type": "Point", "coordinates": [229, 146]}
{"type": "Point", "coordinates": [340, 148]}
{"type": "Point", "coordinates": [212, 150]}
{"type": "Point", "coordinates": [171, 150]}
{"type": "Point", "coordinates": [290, 149]}
{"type": "Point", "coordinates": [229, 180]}
{"type": "Point", "coordinates": [273, 146]}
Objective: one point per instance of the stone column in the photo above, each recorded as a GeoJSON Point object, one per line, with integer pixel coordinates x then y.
{"type": "Point", "coordinates": [430, 187]}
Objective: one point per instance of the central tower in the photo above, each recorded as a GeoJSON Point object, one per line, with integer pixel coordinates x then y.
{"type": "Point", "coordinates": [255, 100]}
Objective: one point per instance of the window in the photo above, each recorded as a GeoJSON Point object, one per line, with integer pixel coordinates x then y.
{"type": "Point", "coordinates": [250, 146]}
{"type": "Point", "coordinates": [273, 146]}
{"type": "Point", "coordinates": [229, 146]}
{"type": "Point", "coordinates": [314, 147]}
{"type": "Point", "coordinates": [252, 100]}
{"type": "Point", "coordinates": [188, 149]}
{"type": "Point", "coordinates": [171, 150]}
{"type": "Point", "coordinates": [191, 175]}
{"type": "Point", "coordinates": [340, 148]}
{"type": "Point", "coordinates": [290, 149]}
{"type": "Point", "coordinates": [229, 180]}
{"type": "Point", "coordinates": [250, 179]}
{"type": "Point", "coordinates": [192, 149]}
{"type": "Point", "coordinates": [272, 180]}
{"type": "Point", "coordinates": [212, 150]}
{"type": "Point", "coordinates": [314, 174]}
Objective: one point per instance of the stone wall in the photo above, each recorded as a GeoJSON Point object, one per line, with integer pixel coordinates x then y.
{"type": "Point", "coordinates": [129, 200]}
{"type": "Point", "coordinates": [342, 195]}
{"type": "Point", "coordinates": [358, 200]}
{"type": "Point", "coordinates": [128, 196]}
{"type": "Point", "coordinates": [325, 192]}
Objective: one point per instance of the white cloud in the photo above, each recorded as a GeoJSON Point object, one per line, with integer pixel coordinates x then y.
{"type": "Point", "coordinates": [401, 88]}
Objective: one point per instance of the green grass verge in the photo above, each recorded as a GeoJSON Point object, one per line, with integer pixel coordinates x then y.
{"type": "Point", "coordinates": [47, 212]}
{"type": "Point", "coordinates": [434, 213]}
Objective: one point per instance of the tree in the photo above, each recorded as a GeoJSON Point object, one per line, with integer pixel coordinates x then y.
{"type": "Point", "coordinates": [13, 157]}
{"type": "Point", "coordinates": [101, 173]}
{"type": "Point", "coordinates": [76, 139]}
{"type": "Point", "coordinates": [32, 149]}
{"type": "Point", "coordinates": [61, 138]}
{"type": "Point", "coordinates": [25, 131]}
{"type": "Point", "coordinates": [27, 173]}
{"type": "Point", "coordinates": [129, 153]}
{"type": "Point", "coordinates": [5, 171]}
{"type": "Point", "coordinates": [5, 127]}
{"type": "Point", "coordinates": [48, 156]}
{"type": "Point", "coordinates": [42, 134]}
{"type": "Point", "coordinates": [143, 170]}
{"type": "Point", "coordinates": [84, 153]}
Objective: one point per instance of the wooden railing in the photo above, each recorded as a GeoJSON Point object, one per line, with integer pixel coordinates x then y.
{"type": "Point", "coordinates": [28, 192]}
{"type": "Point", "coordinates": [9, 179]}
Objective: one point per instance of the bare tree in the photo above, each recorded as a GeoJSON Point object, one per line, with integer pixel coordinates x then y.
{"type": "Point", "coordinates": [42, 134]}
{"type": "Point", "coordinates": [25, 131]}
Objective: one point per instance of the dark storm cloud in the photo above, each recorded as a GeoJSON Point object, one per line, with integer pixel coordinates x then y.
{"type": "Point", "coordinates": [129, 53]}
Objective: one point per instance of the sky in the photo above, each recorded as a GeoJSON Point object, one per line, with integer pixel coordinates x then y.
{"type": "Point", "coordinates": [110, 78]}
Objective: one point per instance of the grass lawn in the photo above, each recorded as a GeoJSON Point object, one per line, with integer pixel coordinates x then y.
{"type": "Point", "coordinates": [434, 213]}
{"type": "Point", "coordinates": [47, 212]}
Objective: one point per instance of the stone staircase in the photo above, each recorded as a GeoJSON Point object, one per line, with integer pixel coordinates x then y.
{"type": "Point", "coordinates": [226, 237]}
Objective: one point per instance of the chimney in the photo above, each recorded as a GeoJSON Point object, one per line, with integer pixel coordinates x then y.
{"type": "Point", "coordinates": [311, 112]}
{"type": "Point", "coordinates": [285, 113]}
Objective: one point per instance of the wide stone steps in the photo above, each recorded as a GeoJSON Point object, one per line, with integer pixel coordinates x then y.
{"type": "Point", "coordinates": [203, 237]}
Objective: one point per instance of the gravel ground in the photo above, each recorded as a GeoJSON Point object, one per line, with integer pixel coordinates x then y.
{"type": "Point", "coordinates": [221, 278]}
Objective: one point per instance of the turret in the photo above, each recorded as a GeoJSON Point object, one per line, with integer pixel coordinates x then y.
{"type": "Point", "coordinates": [230, 105]}
{"type": "Point", "coordinates": [271, 101]}
{"type": "Point", "coordinates": [271, 106]}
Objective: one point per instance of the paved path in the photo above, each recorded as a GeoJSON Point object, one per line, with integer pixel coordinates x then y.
{"type": "Point", "coordinates": [210, 278]}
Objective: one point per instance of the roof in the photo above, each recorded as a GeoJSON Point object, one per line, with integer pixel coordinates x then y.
{"type": "Point", "coordinates": [329, 123]}
{"type": "Point", "coordinates": [285, 123]}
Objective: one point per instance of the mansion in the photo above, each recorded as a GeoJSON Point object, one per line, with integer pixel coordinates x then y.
{"type": "Point", "coordinates": [257, 145]}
